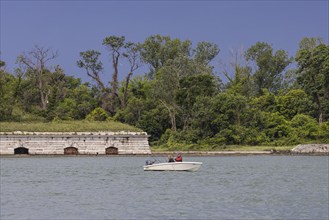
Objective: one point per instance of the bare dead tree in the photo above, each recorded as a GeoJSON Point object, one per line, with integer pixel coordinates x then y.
{"type": "Point", "coordinates": [36, 61]}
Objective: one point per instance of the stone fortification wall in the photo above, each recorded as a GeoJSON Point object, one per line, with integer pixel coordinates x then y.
{"type": "Point", "coordinates": [311, 148]}
{"type": "Point", "coordinates": [74, 143]}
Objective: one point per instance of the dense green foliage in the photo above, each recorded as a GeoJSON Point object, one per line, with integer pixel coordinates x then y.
{"type": "Point", "coordinates": [180, 101]}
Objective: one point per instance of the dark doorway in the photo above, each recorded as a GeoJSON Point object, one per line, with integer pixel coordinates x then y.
{"type": "Point", "coordinates": [71, 151]}
{"type": "Point", "coordinates": [111, 151]}
{"type": "Point", "coordinates": [21, 150]}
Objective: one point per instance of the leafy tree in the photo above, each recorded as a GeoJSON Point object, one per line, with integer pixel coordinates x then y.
{"type": "Point", "coordinates": [154, 121]}
{"type": "Point", "coordinates": [304, 127]}
{"type": "Point", "coordinates": [114, 44]}
{"type": "Point", "coordinates": [238, 75]}
{"type": "Point", "coordinates": [205, 52]}
{"type": "Point", "coordinates": [266, 102]}
{"type": "Point", "coordinates": [204, 117]}
{"type": "Point", "coordinates": [98, 114]}
{"type": "Point", "coordinates": [168, 83]}
{"type": "Point", "coordinates": [65, 109]}
{"type": "Point", "coordinates": [143, 109]}
{"type": "Point", "coordinates": [132, 54]}
{"type": "Point", "coordinates": [295, 102]}
{"type": "Point", "coordinates": [274, 125]}
{"type": "Point", "coordinates": [7, 99]}
{"type": "Point", "coordinates": [222, 119]}
{"type": "Point", "coordinates": [157, 50]}
{"type": "Point", "coordinates": [93, 66]}
{"type": "Point", "coordinates": [85, 98]}
{"type": "Point", "coordinates": [229, 109]}
{"type": "Point", "coordinates": [192, 87]}
{"type": "Point", "coordinates": [270, 66]}
{"type": "Point", "coordinates": [73, 104]}
{"type": "Point", "coordinates": [312, 75]}
{"type": "Point", "coordinates": [289, 81]}
{"type": "Point", "coordinates": [28, 94]}
{"type": "Point", "coordinates": [58, 90]}
{"type": "Point", "coordinates": [324, 132]}
{"type": "Point", "coordinates": [170, 62]}
{"type": "Point", "coordinates": [164, 90]}
{"type": "Point", "coordinates": [310, 43]}
{"type": "Point", "coordinates": [140, 100]}
{"type": "Point", "coordinates": [112, 97]}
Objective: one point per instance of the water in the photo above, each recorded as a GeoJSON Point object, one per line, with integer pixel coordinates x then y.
{"type": "Point", "coordinates": [237, 187]}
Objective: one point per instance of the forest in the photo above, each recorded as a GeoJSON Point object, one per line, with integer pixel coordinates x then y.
{"type": "Point", "coordinates": [260, 97]}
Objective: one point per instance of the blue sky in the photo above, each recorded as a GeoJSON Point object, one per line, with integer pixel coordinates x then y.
{"type": "Point", "coordinates": [70, 27]}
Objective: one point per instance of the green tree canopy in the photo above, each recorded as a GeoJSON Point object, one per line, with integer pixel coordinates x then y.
{"type": "Point", "coordinates": [313, 77]}
{"type": "Point", "coordinates": [270, 66]}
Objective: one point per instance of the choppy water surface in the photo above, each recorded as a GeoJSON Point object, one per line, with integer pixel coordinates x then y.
{"type": "Point", "coordinates": [237, 187]}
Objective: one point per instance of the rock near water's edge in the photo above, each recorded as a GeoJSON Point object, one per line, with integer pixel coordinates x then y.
{"type": "Point", "coordinates": [311, 148]}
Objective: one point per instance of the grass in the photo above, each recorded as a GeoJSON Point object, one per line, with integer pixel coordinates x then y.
{"type": "Point", "coordinates": [258, 148]}
{"type": "Point", "coordinates": [65, 126]}
{"type": "Point", "coordinates": [221, 148]}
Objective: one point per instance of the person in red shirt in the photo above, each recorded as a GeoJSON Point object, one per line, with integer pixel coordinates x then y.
{"type": "Point", "coordinates": [179, 158]}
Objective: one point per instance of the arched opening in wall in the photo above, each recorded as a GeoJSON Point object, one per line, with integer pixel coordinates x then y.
{"type": "Point", "coordinates": [111, 151]}
{"type": "Point", "coordinates": [21, 150]}
{"type": "Point", "coordinates": [71, 151]}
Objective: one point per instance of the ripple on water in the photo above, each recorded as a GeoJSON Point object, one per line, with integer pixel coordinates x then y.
{"type": "Point", "coordinates": [254, 187]}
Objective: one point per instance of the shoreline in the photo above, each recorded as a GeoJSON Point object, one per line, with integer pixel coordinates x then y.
{"type": "Point", "coordinates": [184, 153]}
{"type": "Point", "coordinates": [239, 153]}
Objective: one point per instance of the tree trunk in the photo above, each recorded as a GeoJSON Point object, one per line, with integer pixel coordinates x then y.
{"type": "Point", "coordinates": [43, 94]}
{"type": "Point", "coordinates": [320, 117]}
{"type": "Point", "coordinates": [318, 100]}
{"type": "Point", "coordinates": [172, 116]}
{"type": "Point", "coordinates": [173, 121]}
{"type": "Point", "coordinates": [125, 93]}
{"type": "Point", "coordinates": [114, 83]}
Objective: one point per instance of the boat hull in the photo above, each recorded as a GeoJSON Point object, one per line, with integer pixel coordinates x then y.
{"type": "Point", "coordinates": [174, 166]}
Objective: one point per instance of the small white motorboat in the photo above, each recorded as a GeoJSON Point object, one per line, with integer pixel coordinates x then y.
{"type": "Point", "coordinates": [173, 166]}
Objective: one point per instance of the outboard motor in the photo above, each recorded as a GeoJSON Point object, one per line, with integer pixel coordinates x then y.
{"type": "Point", "coordinates": [149, 162]}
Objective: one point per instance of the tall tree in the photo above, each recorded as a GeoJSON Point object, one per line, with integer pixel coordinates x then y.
{"type": "Point", "coordinates": [7, 99]}
{"type": "Point", "coordinates": [93, 66]}
{"type": "Point", "coordinates": [114, 44]}
{"type": "Point", "coordinates": [295, 102]}
{"type": "Point", "coordinates": [313, 74]}
{"type": "Point", "coordinates": [238, 74]}
{"type": "Point", "coordinates": [36, 61]}
{"type": "Point", "coordinates": [270, 66]}
{"type": "Point", "coordinates": [205, 52]}
{"type": "Point", "coordinates": [310, 43]}
{"type": "Point", "coordinates": [132, 54]}
{"type": "Point", "coordinates": [62, 87]}
{"type": "Point", "coordinates": [157, 50]}
{"type": "Point", "coordinates": [90, 62]}
{"type": "Point", "coordinates": [191, 88]}
{"type": "Point", "coordinates": [164, 90]}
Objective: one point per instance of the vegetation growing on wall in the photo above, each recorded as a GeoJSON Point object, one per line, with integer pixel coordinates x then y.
{"type": "Point", "coordinates": [66, 126]}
